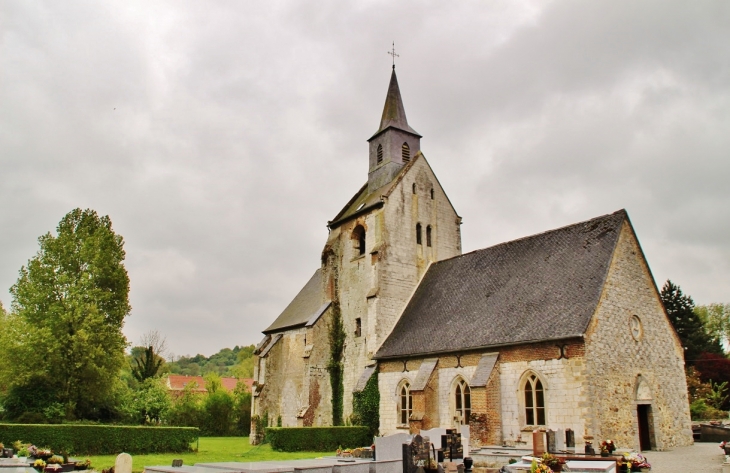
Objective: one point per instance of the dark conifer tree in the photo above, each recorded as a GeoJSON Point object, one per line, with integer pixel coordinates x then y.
{"type": "Point", "coordinates": [689, 327]}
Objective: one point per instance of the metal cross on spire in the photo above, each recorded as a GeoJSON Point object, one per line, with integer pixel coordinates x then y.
{"type": "Point", "coordinates": [392, 53]}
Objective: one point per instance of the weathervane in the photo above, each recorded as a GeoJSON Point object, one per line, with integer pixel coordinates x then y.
{"type": "Point", "coordinates": [392, 53]}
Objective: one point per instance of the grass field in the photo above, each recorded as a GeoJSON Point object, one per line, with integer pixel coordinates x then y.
{"type": "Point", "coordinates": [211, 449]}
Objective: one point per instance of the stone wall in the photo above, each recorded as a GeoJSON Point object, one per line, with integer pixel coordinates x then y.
{"type": "Point", "coordinates": [376, 286]}
{"type": "Point", "coordinates": [616, 360]}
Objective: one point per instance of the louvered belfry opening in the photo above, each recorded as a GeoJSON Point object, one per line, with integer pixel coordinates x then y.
{"type": "Point", "coordinates": [380, 154]}
{"type": "Point", "coordinates": [406, 152]}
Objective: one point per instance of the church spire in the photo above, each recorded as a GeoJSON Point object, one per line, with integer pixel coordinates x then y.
{"type": "Point", "coordinates": [394, 114]}
{"type": "Point", "coordinates": [395, 142]}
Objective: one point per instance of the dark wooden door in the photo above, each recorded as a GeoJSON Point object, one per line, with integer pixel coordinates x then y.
{"type": "Point", "coordinates": [644, 413]}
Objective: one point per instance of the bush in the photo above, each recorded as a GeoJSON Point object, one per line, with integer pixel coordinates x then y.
{"type": "Point", "coordinates": [81, 439]}
{"type": "Point", "coordinates": [317, 439]}
{"type": "Point", "coordinates": [700, 410]}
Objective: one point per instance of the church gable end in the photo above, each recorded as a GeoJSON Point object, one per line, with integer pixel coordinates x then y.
{"type": "Point", "coordinates": [630, 344]}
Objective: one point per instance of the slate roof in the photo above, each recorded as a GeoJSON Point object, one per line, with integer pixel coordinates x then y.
{"type": "Point", "coordinates": [306, 304]}
{"type": "Point", "coordinates": [541, 287]}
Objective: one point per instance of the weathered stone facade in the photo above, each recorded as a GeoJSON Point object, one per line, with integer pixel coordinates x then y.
{"type": "Point", "coordinates": [561, 330]}
{"type": "Point", "coordinates": [616, 362]}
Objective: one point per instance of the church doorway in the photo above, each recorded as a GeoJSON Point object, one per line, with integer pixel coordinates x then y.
{"type": "Point", "coordinates": [646, 432]}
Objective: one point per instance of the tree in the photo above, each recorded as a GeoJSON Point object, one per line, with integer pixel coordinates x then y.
{"type": "Point", "coordinates": [146, 365]}
{"type": "Point", "coordinates": [150, 403]}
{"type": "Point", "coordinates": [716, 318]}
{"type": "Point", "coordinates": [157, 341]}
{"type": "Point", "coordinates": [69, 305]}
{"type": "Point", "coordinates": [688, 325]}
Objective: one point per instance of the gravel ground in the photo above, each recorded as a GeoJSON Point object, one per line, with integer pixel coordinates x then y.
{"type": "Point", "coordinates": [698, 458]}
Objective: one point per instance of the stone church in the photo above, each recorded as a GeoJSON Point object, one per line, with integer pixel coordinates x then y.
{"type": "Point", "coordinates": [560, 330]}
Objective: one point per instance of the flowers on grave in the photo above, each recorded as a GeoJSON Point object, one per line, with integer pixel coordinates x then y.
{"type": "Point", "coordinates": [635, 461]}
{"type": "Point", "coordinates": [39, 465]}
{"type": "Point", "coordinates": [607, 446]}
{"type": "Point", "coordinates": [552, 462]}
{"type": "Point", "coordinates": [56, 460]}
{"type": "Point", "coordinates": [84, 465]}
{"type": "Point", "coordinates": [539, 467]}
{"type": "Point", "coordinates": [42, 453]}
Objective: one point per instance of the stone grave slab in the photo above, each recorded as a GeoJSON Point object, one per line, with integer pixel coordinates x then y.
{"type": "Point", "coordinates": [390, 447]}
{"type": "Point", "coordinates": [358, 467]}
{"type": "Point", "coordinates": [386, 466]}
{"type": "Point", "coordinates": [123, 463]}
{"type": "Point", "coordinates": [184, 469]}
{"type": "Point", "coordinates": [560, 440]}
{"type": "Point", "coordinates": [538, 442]}
{"type": "Point", "coordinates": [313, 469]}
{"type": "Point", "coordinates": [551, 443]}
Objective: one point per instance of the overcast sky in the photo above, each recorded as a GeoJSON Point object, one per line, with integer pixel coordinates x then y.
{"type": "Point", "coordinates": [220, 137]}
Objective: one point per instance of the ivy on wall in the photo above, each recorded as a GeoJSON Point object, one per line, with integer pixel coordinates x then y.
{"type": "Point", "coordinates": [366, 406]}
{"type": "Point", "coordinates": [334, 366]}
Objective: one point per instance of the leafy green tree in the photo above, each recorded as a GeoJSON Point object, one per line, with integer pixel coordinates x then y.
{"type": "Point", "coordinates": [69, 305]}
{"type": "Point", "coordinates": [186, 409]}
{"type": "Point", "coordinates": [716, 318]}
{"type": "Point", "coordinates": [242, 406]}
{"type": "Point", "coordinates": [147, 364]}
{"type": "Point", "coordinates": [150, 403]}
{"type": "Point", "coordinates": [689, 327]}
{"type": "Point", "coordinates": [218, 408]}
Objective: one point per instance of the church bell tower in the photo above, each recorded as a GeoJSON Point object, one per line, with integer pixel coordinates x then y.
{"type": "Point", "coordinates": [395, 143]}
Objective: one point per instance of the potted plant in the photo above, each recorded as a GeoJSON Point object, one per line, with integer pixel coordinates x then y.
{"type": "Point", "coordinates": [539, 467]}
{"type": "Point", "coordinates": [84, 465]}
{"type": "Point", "coordinates": [39, 465]}
{"type": "Point", "coordinates": [552, 462]}
{"type": "Point", "coordinates": [607, 447]}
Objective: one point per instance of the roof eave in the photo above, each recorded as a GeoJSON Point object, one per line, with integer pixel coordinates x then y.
{"type": "Point", "coordinates": [364, 210]}
{"type": "Point", "coordinates": [477, 348]}
{"type": "Point", "coordinates": [410, 131]}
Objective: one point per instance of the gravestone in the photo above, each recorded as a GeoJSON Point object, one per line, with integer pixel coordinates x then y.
{"type": "Point", "coordinates": [451, 445]}
{"type": "Point", "coordinates": [434, 435]}
{"type": "Point", "coordinates": [177, 463]}
{"type": "Point", "coordinates": [569, 438]}
{"type": "Point", "coordinates": [538, 443]}
{"type": "Point", "coordinates": [560, 440]}
{"type": "Point", "coordinates": [551, 441]}
{"type": "Point", "coordinates": [123, 464]}
{"type": "Point", "coordinates": [390, 447]}
{"type": "Point", "coordinates": [416, 454]}
{"type": "Point", "coordinates": [465, 431]}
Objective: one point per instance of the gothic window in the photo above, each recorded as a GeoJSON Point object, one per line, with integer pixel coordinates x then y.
{"type": "Point", "coordinates": [358, 327]}
{"type": "Point", "coordinates": [418, 233]}
{"type": "Point", "coordinates": [534, 395]}
{"type": "Point", "coordinates": [462, 401]}
{"type": "Point", "coordinates": [380, 154]}
{"type": "Point", "coordinates": [405, 402]}
{"type": "Point", "coordinates": [405, 152]}
{"type": "Point", "coordinates": [428, 235]}
{"type": "Point", "coordinates": [358, 237]}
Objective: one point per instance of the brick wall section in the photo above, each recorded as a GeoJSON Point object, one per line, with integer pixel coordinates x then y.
{"type": "Point", "coordinates": [497, 408]}
{"type": "Point", "coordinates": [615, 359]}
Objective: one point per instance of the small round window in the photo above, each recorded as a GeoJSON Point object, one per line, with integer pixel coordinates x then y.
{"type": "Point", "coordinates": [637, 330]}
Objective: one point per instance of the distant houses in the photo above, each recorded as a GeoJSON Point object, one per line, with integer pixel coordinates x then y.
{"type": "Point", "coordinates": [176, 383]}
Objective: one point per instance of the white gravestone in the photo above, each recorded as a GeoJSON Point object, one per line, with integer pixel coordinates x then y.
{"type": "Point", "coordinates": [390, 447]}
{"type": "Point", "coordinates": [123, 463]}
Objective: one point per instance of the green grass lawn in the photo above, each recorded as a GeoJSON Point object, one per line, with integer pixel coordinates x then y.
{"type": "Point", "coordinates": [211, 449]}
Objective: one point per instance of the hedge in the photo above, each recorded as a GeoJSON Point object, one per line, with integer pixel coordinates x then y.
{"type": "Point", "coordinates": [79, 439]}
{"type": "Point", "coordinates": [317, 439]}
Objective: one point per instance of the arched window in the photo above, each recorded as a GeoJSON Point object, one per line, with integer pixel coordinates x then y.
{"type": "Point", "coordinates": [380, 154]}
{"type": "Point", "coordinates": [462, 401]}
{"type": "Point", "coordinates": [405, 152]}
{"type": "Point", "coordinates": [414, 187]}
{"type": "Point", "coordinates": [405, 402]}
{"type": "Point", "coordinates": [358, 237]}
{"type": "Point", "coordinates": [418, 234]}
{"type": "Point", "coordinates": [534, 400]}
{"type": "Point", "coordinates": [428, 235]}
{"type": "Point", "coordinates": [432, 194]}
